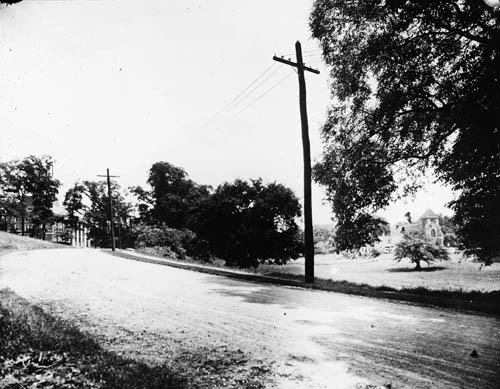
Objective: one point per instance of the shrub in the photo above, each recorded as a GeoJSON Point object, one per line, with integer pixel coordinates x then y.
{"type": "Point", "coordinates": [417, 249]}
{"type": "Point", "coordinates": [323, 238]}
{"type": "Point", "coordinates": [450, 239]}
{"type": "Point", "coordinates": [166, 240]}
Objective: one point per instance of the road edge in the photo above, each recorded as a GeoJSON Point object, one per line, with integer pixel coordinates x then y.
{"type": "Point", "coordinates": [462, 305]}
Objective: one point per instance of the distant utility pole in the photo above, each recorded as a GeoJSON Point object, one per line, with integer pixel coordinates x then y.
{"type": "Point", "coordinates": [110, 199]}
{"type": "Point", "coordinates": [308, 227]}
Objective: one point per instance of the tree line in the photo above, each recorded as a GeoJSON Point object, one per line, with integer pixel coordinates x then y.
{"type": "Point", "coordinates": [245, 223]}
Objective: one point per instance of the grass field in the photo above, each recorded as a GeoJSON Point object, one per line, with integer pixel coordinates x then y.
{"type": "Point", "coordinates": [459, 274]}
{"type": "Point", "coordinates": [459, 283]}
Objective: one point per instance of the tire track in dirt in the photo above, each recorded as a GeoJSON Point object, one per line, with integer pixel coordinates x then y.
{"type": "Point", "coordinates": [239, 331]}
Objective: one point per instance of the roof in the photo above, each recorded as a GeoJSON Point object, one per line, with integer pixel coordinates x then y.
{"type": "Point", "coordinates": [413, 227]}
{"type": "Point", "coordinates": [429, 214]}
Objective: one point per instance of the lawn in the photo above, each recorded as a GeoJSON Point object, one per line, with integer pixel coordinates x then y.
{"type": "Point", "coordinates": [18, 242]}
{"type": "Point", "coordinates": [458, 274]}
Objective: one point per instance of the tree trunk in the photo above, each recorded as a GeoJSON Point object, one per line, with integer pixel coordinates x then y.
{"type": "Point", "coordinates": [418, 267]}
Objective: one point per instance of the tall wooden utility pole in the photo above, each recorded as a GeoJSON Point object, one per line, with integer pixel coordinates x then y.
{"type": "Point", "coordinates": [110, 200]}
{"type": "Point", "coordinates": [308, 227]}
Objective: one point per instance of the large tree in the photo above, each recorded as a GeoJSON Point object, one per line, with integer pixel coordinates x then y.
{"type": "Point", "coordinates": [417, 250]}
{"type": "Point", "coordinates": [173, 197]}
{"type": "Point", "coordinates": [247, 223]}
{"type": "Point", "coordinates": [416, 86]}
{"type": "Point", "coordinates": [12, 195]}
{"type": "Point", "coordinates": [244, 223]}
{"type": "Point", "coordinates": [43, 189]}
{"type": "Point", "coordinates": [27, 192]}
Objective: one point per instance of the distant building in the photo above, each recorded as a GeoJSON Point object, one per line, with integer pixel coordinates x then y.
{"type": "Point", "coordinates": [428, 225]}
{"type": "Point", "coordinates": [58, 231]}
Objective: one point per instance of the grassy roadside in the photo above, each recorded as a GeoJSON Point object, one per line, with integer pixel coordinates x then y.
{"type": "Point", "coordinates": [39, 350]}
{"type": "Point", "coordinates": [12, 242]}
{"type": "Point", "coordinates": [485, 302]}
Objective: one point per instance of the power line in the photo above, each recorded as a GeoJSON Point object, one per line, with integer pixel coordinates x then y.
{"type": "Point", "coordinates": [235, 100]}
{"type": "Point", "coordinates": [252, 90]}
{"type": "Point", "coordinates": [305, 52]}
{"type": "Point", "coordinates": [253, 101]}
{"type": "Point", "coordinates": [317, 62]}
{"type": "Point", "coordinates": [245, 93]}
{"type": "Point", "coordinates": [313, 55]}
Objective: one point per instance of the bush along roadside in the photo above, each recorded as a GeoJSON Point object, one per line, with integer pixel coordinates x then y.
{"type": "Point", "coordinates": [39, 350]}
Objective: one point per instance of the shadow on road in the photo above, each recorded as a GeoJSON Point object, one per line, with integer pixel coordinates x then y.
{"type": "Point", "coordinates": [255, 293]}
{"type": "Point", "coordinates": [412, 269]}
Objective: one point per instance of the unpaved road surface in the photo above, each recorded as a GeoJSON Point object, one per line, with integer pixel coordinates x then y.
{"type": "Point", "coordinates": [221, 332]}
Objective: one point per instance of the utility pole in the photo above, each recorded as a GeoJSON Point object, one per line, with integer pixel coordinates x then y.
{"type": "Point", "coordinates": [110, 200]}
{"type": "Point", "coordinates": [308, 227]}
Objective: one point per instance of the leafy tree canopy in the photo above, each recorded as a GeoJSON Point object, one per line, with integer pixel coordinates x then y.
{"type": "Point", "coordinates": [173, 197]}
{"type": "Point", "coordinates": [244, 223]}
{"type": "Point", "coordinates": [88, 202]}
{"type": "Point", "coordinates": [360, 231]}
{"type": "Point", "coordinates": [42, 187]}
{"type": "Point", "coordinates": [447, 224]}
{"type": "Point", "coordinates": [416, 85]}
{"type": "Point", "coordinates": [415, 248]}
{"type": "Point", "coordinates": [73, 203]}
{"type": "Point", "coordinates": [247, 223]}
{"type": "Point", "coordinates": [28, 190]}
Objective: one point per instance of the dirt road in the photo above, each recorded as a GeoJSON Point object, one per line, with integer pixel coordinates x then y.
{"type": "Point", "coordinates": [223, 332]}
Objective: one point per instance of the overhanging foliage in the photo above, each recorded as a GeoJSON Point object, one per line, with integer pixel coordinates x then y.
{"type": "Point", "coordinates": [416, 85]}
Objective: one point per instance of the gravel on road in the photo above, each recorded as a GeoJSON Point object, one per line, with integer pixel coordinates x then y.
{"type": "Point", "coordinates": [221, 332]}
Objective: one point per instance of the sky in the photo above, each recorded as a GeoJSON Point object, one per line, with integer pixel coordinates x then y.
{"type": "Point", "coordinates": [122, 84]}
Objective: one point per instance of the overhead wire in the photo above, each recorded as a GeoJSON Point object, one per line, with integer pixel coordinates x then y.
{"type": "Point", "coordinates": [253, 101]}
{"type": "Point", "coordinates": [312, 55]}
{"type": "Point", "coordinates": [305, 52]}
{"type": "Point", "coordinates": [241, 96]}
{"type": "Point", "coordinates": [247, 91]}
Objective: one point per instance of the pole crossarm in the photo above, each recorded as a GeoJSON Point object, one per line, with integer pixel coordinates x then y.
{"type": "Point", "coordinates": [308, 224]}
{"type": "Point", "coordinates": [287, 62]}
